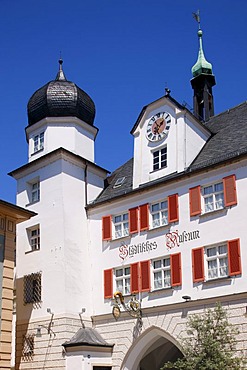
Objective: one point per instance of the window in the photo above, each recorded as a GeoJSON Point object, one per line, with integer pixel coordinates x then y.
{"type": "Point", "coordinates": [162, 273]}
{"type": "Point", "coordinates": [121, 225]}
{"type": "Point", "coordinates": [122, 277]}
{"type": "Point", "coordinates": [38, 142]}
{"type": "Point", "coordinates": [128, 280]}
{"type": "Point", "coordinates": [213, 196]}
{"type": "Point", "coordinates": [119, 182]}
{"type": "Point", "coordinates": [217, 261]}
{"type": "Point", "coordinates": [35, 192]}
{"type": "Point", "coordinates": [159, 214]}
{"type": "Point", "coordinates": [160, 159]}
{"type": "Point", "coordinates": [221, 260]}
{"type": "Point", "coordinates": [28, 346]}
{"type": "Point", "coordinates": [34, 238]}
{"type": "Point", "coordinates": [32, 288]}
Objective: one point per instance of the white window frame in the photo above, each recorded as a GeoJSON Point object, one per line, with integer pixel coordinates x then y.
{"type": "Point", "coordinates": [217, 264]}
{"type": "Point", "coordinates": [35, 192]}
{"type": "Point", "coordinates": [159, 158]}
{"type": "Point", "coordinates": [122, 280]}
{"type": "Point", "coordinates": [159, 214]}
{"type": "Point", "coordinates": [161, 273]}
{"type": "Point", "coordinates": [38, 142]}
{"type": "Point", "coordinates": [214, 200]}
{"type": "Point", "coordinates": [34, 238]}
{"type": "Point", "coordinates": [120, 225]}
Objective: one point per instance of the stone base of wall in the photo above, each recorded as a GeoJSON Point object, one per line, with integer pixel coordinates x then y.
{"type": "Point", "coordinates": [128, 335]}
{"type": "Point", "coordinates": [47, 351]}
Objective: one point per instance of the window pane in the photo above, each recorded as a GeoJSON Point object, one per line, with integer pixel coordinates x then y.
{"type": "Point", "coordinates": [223, 266]}
{"type": "Point", "coordinates": [219, 201]}
{"type": "Point", "coordinates": [155, 207]}
{"type": "Point", "coordinates": [163, 205]}
{"type": "Point", "coordinates": [212, 269]}
{"type": "Point", "coordinates": [119, 272]}
{"type": "Point", "coordinates": [117, 219]}
{"type": "Point", "coordinates": [222, 249]}
{"type": "Point", "coordinates": [127, 286]}
{"type": "Point", "coordinates": [127, 271]}
{"type": "Point", "coordinates": [211, 252]}
{"type": "Point", "coordinates": [157, 264]}
{"type": "Point", "coordinates": [166, 262]}
{"type": "Point", "coordinates": [119, 285]}
{"type": "Point", "coordinates": [167, 278]}
{"type": "Point", "coordinates": [157, 280]}
{"type": "Point", "coordinates": [164, 219]}
{"type": "Point", "coordinates": [218, 187]}
{"type": "Point", "coordinates": [207, 190]}
{"type": "Point", "coordinates": [125, 217]}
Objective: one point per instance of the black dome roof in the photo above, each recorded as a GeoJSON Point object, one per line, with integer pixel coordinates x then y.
{"type": "Point", "coordinates": [60, 98]}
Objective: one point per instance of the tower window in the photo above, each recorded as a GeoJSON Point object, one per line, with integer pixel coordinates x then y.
{"type": "Point", "coordinates": [32, 288]}
{"type": "Point", "coordinates": [28, 347]}
{"type": "Point", "coordinates": [160, 159]}
{"type": "Point", "coordinates": [35, 239]}
{"type": "Point", "coordinates": [38, 142]}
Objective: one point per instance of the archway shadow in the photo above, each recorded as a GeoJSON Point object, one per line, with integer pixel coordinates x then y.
{"type": "Point", "coordinates": [151, 350]}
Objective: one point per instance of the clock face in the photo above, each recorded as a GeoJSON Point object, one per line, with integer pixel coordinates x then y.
{"type": "Point", "coordinates": [158, 126]}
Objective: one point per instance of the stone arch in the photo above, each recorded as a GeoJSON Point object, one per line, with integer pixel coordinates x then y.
{"type": "Point", "coordinates": [151, 340]}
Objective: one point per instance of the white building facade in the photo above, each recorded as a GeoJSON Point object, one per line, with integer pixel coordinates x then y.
{"type": "Point", "coordinates": [161, 238]}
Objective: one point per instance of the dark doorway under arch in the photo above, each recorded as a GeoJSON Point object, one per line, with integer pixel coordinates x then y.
{"type": "Point", "coordinates": [158, 353]}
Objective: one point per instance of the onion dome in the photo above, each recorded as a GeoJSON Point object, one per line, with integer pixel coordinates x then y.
{"type": "Point", "coordinates": [60, 98]}
{"type": "Point", "coordinates": [202, 65]}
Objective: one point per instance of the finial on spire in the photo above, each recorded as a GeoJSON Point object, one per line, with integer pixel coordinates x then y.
{"type": "Point", "coordinates": [60, 75]}
{"type": "Point", "coordinates": [168, 91]}
{"type": "Point", "coordinates": [202, 65]}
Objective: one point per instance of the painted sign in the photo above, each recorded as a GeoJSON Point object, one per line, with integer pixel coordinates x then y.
{"type": "Point", "coordinates": [173, 239]}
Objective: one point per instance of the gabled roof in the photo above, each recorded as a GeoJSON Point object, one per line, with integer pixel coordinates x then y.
{"type": "Point", "coordinates": [174, 102]}
{"type": "Point", "coordinates": [87, 337]}
{"type": "Point", "coordinates": [228, 141]}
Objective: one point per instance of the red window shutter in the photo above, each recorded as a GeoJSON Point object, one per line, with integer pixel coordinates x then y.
{"type": "Point", "coordinates": [234, 257]}
{"type": "Point", "coordinates": [198, 264]}
{"type": "Point", "coordinates": [195, 201]}
{"type": "Point", "coordinates": [230, 194]}
{"type": "Point", "coordinates": [108, 277]}
{"type": "Point", "coordinates": [144, 217]}
{"type": "Point", "coordinates": [133, 220]}
{"type": "Point", "coordinates": [145, 276]}
{"type": "Point", "coordinates": [134, 277]}
{"type": "Point", "coordinates": [106, 228]}
{"type": "Point", "coordinates": [173, 208]}
{"type": "Point", "coordinates": [176, 278]}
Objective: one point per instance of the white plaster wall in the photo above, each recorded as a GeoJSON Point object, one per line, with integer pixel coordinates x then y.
{"type": "Point", "coordinates": [85, 360]}
{"type": "Point", "coordinates": [71, 134]}
{"type": "Point", "coordinates": [217, 227]}
{"type": "Point", "coordinates": [63, 256]}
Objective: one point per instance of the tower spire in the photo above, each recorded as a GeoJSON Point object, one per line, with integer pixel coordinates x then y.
{"type": "Point", "coordinates": [202, 82]}
{"type": "Point", "coordinates": [60, 74]}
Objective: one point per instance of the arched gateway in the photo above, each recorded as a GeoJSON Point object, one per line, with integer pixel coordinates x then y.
{"type": "Point", "coordinates": [151, 350]}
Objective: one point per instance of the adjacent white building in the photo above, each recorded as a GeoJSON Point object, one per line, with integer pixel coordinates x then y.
{"type": "Point", "coordinates": [165, 231]}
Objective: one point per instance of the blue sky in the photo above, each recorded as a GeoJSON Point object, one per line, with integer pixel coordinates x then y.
{"type": "Point", "coordinates": [122, 53]}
